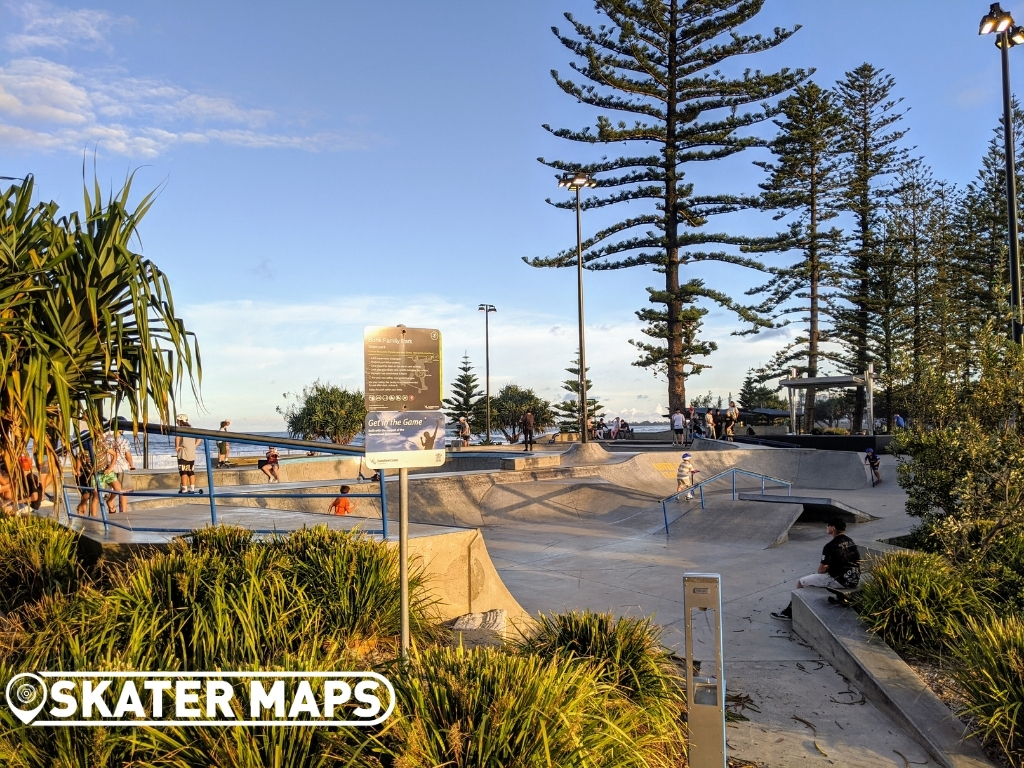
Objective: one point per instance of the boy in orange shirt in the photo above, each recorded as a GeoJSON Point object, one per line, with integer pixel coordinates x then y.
{"type": "Point", "coordinates": [341, 505]}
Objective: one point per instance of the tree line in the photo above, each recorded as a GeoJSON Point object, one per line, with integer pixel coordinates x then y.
{"type": "Point", "coordinates": [877, 261]}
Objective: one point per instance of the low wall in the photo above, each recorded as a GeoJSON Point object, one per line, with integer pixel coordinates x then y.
{"type": "Point", "coordinates": [857, 443]}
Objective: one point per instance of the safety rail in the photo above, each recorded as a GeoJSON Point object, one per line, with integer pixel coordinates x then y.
{"type": "Point", "coordinates": [210, 436]}
{"type": "Point", "coordinates": [730, 472]}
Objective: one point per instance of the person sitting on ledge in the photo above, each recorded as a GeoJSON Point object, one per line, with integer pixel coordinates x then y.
{"type": "Point", "coordinates": [839, 568]}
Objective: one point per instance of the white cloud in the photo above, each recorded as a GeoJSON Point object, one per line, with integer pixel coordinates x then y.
{"type": "Point", "coordinates": [45, 25]}
{"type": "Point", "coordinates": [49, 106]}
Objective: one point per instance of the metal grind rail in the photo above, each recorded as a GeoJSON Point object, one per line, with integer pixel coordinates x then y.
{"type": "Point", "coordinates": [729, 472]}
{"type": "Point", "coordinates": [209, 436]}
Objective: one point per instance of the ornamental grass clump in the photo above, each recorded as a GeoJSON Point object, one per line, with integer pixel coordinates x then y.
{"type": "Point", "coordinates": [917, 600]}
{"type": "Point", "coordinates": [40, 557]}
{"type": "Point", "coordinates": [488, 708]}
{"type": "Point", "coordinates": [625, 653]}
{"type": "Point", "coordinates": [989, 656]}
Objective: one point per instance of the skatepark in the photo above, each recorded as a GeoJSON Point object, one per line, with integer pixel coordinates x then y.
{"type": "Point", "coordinates": [585, 527]}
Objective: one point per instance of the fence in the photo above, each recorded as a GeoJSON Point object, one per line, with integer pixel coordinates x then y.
{"type": "Point", "coordinates": [208, 437]}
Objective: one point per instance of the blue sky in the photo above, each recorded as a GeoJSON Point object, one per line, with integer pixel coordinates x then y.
{"type": "Point", "coordinates": [327, 166]}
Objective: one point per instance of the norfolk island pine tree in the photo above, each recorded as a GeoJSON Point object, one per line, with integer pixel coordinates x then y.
{"type": "Point", "coordinates": [658, 61]}
{"type": "Point", "coordinates": [804, 181]}
{"type": "Point", "coordinates": [568, 412]}
{"type": "Point", "coordinates": [466, 393]}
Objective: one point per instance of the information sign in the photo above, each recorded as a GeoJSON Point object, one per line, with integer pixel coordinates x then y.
{"type": "Point", "coordinates": [404, 439]}
{"type": "Point", "coordinates": [402, 368]}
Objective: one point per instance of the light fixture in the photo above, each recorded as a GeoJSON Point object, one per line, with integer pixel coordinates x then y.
{"type": "Point", "coordinates": [577, 181]}
{"type": "Point", "coordinates": [1017, 36]}
{"type": "Point", "coordinates": [996, 20]}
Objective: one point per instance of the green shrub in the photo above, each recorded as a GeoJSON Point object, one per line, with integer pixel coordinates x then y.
{"type": "Point", "coordinates": [624, 652]}
{"type": "Point", "coordinates": [488, 708]}
{"type": "Point", "coordinates": [916, 600]}
{"type": "Point", "coordinates": [990, 669]}
{"type": "Point", "coordinates": [39, 558]}
{"type": "Point", "coordinates": [353, 581]}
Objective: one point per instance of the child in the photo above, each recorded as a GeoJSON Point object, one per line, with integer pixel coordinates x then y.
{"type": "Point", "coordinates": [684, 476]}
{"type": "Point", "coordinates": [341, 505]}
{"type": "Point", "coordinates": [873, 461]}
{"type": "Point", "coordinates": [269, 465]}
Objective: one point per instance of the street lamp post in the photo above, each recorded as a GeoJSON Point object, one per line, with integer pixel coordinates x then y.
{"type": "Point", "coordinates": [487, 309]}
{"type": "Point", "coordinates": [1008, 35]}
{"type": "Point", "coordinates": [574, 183]}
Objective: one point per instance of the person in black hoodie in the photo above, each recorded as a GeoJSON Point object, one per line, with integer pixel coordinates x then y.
{"type": "Point", "coordinates": [839, 567]}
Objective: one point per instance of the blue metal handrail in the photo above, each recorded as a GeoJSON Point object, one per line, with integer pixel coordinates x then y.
{"type": "Point", "coordinates": [208, 436]}
{"type": "Point", "coordinates": [730, 472]}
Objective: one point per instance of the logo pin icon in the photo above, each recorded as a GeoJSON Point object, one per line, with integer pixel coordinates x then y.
{"type": "Point", "coordinates": [26, 695]}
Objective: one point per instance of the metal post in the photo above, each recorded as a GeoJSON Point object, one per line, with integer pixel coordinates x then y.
{"type": "Point", "coordinates": [403, 555]}
{"type": "Point", "coordinates": [383, 506]}
{"type": "Point", "coordinates": [487, 367]}
{"type": "Point", "coordinates": [209, 481]}
{"type": "Point", "coordinates": [145, 450]}
{"type": "Point", "coordinates": [792, 404]}
{"type": "Point", "coordinates": [869, 384]}
{"type": "Point", "coordinates": [705, 690]}
{"type": "Point", "coordinates": [762, 485]}
{"type": "Point", "coordinates": [734, 486]}
{"type": "Point", "coordinates": [1011, 191]}
{"type": "Point", "coordinates": [583, 355]}
{"type": "Point", "coordinates": [664, 511]}
{"type": "Point", "coordinates": [67, 502]}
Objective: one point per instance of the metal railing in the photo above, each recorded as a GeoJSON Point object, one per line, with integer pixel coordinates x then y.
{"type": "Point", "coordinates": [208, 437]}
{"type": "Point", "coordinates": [729, 472]}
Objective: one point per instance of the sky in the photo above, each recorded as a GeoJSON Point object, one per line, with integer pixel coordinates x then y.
{"type": "Point", "coordinates": [323, 167]}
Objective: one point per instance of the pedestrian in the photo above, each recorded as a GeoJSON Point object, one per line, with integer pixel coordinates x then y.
{"type": "Point", "coordinates": [185, 450]}
{"type": "Point", "coordinates": [839, 567]}
{"type": "Point", "coordinates": [88, 499]}
{"type": "Point", "coordinates": [464, 430]}
{"type": "Point", "coordinates": [224, 447]}
{"type": "Point", "coordinates": [269, 465]}
{"type": "Point", "coordinates": [341, 505]}
{"type": "Point", "coordinates": [678, 427]}
{"type": "Point", "coordinates": [122, 466]}
{"type": "Point", "coordinates": [874, 462]}
{"type": "Point", "coordinates": [900, 423]}
{"type": "Point", "coordinates": [684, 475]}
{"type": "Point", "coordinates": [709, 424]}
{"type": "Point", "coordinates": [527, 424]}
{"type": "Point", "coordinates": [732, 418]}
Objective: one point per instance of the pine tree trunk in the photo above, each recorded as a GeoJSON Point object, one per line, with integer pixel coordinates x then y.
{"type": "Point", "coordinates": [676, 377]}
{"type": "Point", "coordinates": [812, 335]}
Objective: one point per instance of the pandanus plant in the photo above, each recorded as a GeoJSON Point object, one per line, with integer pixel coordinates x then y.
{"type": "Point", "coordinates": [84, 321]}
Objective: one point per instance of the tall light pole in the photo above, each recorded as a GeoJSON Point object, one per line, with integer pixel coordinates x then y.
{"type": "Point", "coordinates": [487, 309]}
{"type": "Point", "coordinates": [574, 183]}
{"type": "Point", "coordinates": [1008, 35]}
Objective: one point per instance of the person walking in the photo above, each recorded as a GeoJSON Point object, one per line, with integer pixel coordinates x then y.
{"type": "Point", "coordinates": [684, 475]}
{"type": "Point", "coordinates": [185, 450]}
{"type": "Point", "coordinates": [464, 431]}
{"type": "Point", "coordinates": [678, 427]}
{"type": "Point", "coordinates": [709, 424]}
{"type": "Point", "coordinates": [527, 424]}
{"type": "Point", "coordinates": [122, 466]}
{"type": "Point", "coordinates": [872, 460]}
{"type": "Point", "coordinates": [224, 447]}
{"type": "Point", "coordinates": [732, 418]}
{"type": "Point", "coordinates": [839, 567]}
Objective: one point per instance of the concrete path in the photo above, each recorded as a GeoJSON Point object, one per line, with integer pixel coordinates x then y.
{"type": "Point", "coordinates": [565, 563]}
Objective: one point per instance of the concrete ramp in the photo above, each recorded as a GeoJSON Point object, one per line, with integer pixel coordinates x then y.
{"type": "Point", "coordinates": [728, 522]}
{"type": "Point", "coordinates": [815, 508]}
{"type": "Point", "coordinates": [591, 453]}
{"type": "Point", "coordinates": [574, 500]}
{"type": "Point", "coordinates": [656, 471]}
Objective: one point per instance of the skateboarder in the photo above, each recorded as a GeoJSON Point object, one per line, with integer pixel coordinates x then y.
{"type": "Point", "coordinates": [874, 462]}
{"type": "Point", "coordinates": [684, 476]}
{"type": "Point", "coordinates": [839, 567]}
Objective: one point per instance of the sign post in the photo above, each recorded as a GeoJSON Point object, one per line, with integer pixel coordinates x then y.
{"type": "Point", "coordinates": [404, 423]}
{"type": "Point", "coordinates": [705, 690]}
